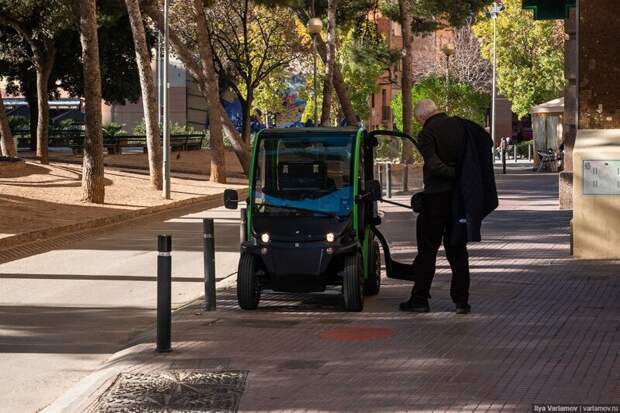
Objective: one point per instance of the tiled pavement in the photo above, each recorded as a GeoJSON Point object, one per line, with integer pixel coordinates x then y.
{"type": "Point", "coordinates": [544, 328]}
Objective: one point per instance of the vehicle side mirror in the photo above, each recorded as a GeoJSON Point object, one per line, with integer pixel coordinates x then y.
{"type": "Point", "coordinates": [374, 189]}
{"type": "Point", "coordinates": [231, 199]}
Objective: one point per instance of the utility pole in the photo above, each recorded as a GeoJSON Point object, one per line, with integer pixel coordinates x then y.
{"type": "Point", "coordinates": [314, 27]}
{"type": "Point", "coordinates": [495, 10]}
{"type": "Point", "coordinates": [166, 102]}
{"type": "Point", "coordinates": [448, 50]}
{"type": "Point", "coordinates": [159, 74]}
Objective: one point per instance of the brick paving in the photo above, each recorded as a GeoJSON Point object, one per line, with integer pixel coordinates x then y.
{"type": "Point", "coordinates": [545, 328]}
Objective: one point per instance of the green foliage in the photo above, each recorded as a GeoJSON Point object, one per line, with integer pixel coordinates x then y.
{"type": "Point", "coordinates": [522, 148]}
{"type": "Point", "coordinates": [530, 56]}
{"type": "Point", "coordinates": [66, 124]}
{"type": "Point", "coordinates": [362, 61]}
{"type": "Point", "coordinates": [56, 21]}
{"type": "Point", "coordinates": [175, 129]}
{"type": "Point", "coordinates": [119, 73]}
{"type": "Point", "coordinates": [18, 123]}
{"type": "Point", "coordinates": [269, 95]}
{"type": "Point", "coordinates": [464, 101]}
{"type": "Point", "coordinates": [113, 129]}
{"type": "Point", "coordinates": [429, 15]}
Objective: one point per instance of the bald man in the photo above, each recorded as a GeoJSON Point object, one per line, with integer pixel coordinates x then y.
{"type": "Point", "coordinates": [441, 142]}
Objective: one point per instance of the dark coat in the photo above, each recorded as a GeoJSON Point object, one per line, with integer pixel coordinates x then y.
{"type": "Point", "coordinates": [440, 143]}
{"type": "Point", "coordinates": [476, 194]}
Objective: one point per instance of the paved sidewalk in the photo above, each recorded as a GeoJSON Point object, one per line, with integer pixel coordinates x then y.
{"type": "Point", "coordinates": [544, 328]}
{"type": "Point", "coordinates": [75, 301]}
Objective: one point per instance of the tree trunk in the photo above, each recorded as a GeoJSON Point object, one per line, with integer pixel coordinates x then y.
{"type": "Point", "coordinates": [31, 98]}
{"type": "Point", "coordinates": [216, 137]}
{"type": "Point", "coordinates": [93, 188]}
{"type": "Point", "coordinates": [406, 82]}
{"type": "Point", "coordinates": [330, 62]}
{"type": "Point", "coordinates": [149, 99]}
{"type": "Point", "coordinates": [152, 9]}
{"type": "Point", "coordinates": [43, 68]}
{"type": "Point", "coordinates": [242, 149]}
{"type": "Point", "coordinates": [339, 86]}
{"type": "Point", "coordinates": [7, 142]}
{"type": "Point", "coordinates": [246, 107]}
{"type": "Point", "coordinates": [338, 81]}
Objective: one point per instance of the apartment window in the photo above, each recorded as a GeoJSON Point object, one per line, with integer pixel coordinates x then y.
{"type": "Point", "coordinates": [383, 97]}
{"type": "Point", "coordinates": [372, 100]}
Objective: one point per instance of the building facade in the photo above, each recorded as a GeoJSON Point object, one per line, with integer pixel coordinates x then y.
{"type": "Point", "coordinates": [427, 57]}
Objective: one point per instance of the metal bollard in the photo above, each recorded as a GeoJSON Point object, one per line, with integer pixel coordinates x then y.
{"type": "Point", "coordinates": [504, 161]}
{"type": "Point", "coordinates": [515, 151]}
{"type": "Point", "coordinates": [380, 174]}
{"type": "Point", "coordinates": [388, 173]}
{"type": "Point", "coordinates": [209, 263]}
{"type": "Point", "coordinates": [164, 287]}
{"type": "Point", "coordinates": [529, 152]}
{"type": "Point", "coordinates": [406, 177]}
{"type": "Point", "coordinates": [243, 233]}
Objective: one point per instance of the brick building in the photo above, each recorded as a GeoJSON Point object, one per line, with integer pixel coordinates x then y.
{"type": "Point", "coordinates": [427, 57]}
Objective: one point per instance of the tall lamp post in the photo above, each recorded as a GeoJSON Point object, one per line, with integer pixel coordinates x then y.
{"type": "Point", "coordinates": [496, 8]}
{"type": "Point", "coordinates": [314, 26]}
{"type": "Point", "coordinates": [166, 104]}
{"type": "Point", "coordinates": [448, 50]}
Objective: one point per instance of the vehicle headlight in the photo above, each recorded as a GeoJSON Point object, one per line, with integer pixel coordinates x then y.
{"type": "Point", "coordinates": [330, 237]}
{"type": "Point", "coordinates": [264, 237]}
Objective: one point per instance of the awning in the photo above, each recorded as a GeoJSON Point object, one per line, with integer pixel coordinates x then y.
{"type": "Point", "coordinates": [553, 106]}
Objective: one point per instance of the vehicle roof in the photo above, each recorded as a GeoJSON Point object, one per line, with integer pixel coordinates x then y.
{"type": "Point", "coordinates": [303, 131]}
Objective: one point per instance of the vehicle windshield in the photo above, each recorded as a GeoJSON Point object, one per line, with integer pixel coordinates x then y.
{"type": "Point", "coordinates": [311, 172]}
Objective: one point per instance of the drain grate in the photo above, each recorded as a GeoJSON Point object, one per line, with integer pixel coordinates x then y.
{"type": "Point", "coordinates": [174, 391]}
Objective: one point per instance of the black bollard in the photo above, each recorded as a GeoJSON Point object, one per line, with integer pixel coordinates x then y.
{"type": "Point", "coordinates": [504, 161]}
{"type": "Point", "coordinates": [209, 263]}
{"type": "Point", "coordinates": [388, 176]}
{"type": "Point", "coordinates": [164, 287]}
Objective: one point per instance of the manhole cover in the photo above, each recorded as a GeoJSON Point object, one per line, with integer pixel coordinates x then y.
{"type": "Point", "coordinates": [174, 391]}
{"type": "Point", "coordinates": [356, 333]}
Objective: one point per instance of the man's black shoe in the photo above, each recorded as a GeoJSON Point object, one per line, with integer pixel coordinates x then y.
{"type": "Point", "coordinates": [463, 308]}
{"type": "Point", "coordinates": [415, 305]}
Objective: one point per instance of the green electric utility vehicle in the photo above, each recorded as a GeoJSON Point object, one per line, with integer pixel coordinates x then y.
{"type": "Point", "coordinates": [311, 218]}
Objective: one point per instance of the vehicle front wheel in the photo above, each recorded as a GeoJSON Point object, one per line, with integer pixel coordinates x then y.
{"type": "Point", "coordinates": [372, 284]}
{"type": "Point", "coordinates": [352, 283]}
{"type": "Point", "coordinates": [248, 287]}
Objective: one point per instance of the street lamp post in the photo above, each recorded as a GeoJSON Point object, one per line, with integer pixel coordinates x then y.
{"type": "Point", "coordinates": [496, 8]}
{"type": "Point", "coordinates": [314, 26]}
{"type": "Point", "coordinates": [166, 104]}
{"type": "Point", "coordinates": [448, 50]}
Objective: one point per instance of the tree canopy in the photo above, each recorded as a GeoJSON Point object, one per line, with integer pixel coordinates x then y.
{"type": "Point", "coordinates": [55, 20]}
{"type": "Point", "coordinates": [530, 56]}
{"type": "Point", "coordinates": [464, 100]}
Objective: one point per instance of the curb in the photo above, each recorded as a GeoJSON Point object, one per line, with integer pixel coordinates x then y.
{"type": "Point", "coordinates": [59, 231]}
{"type": "Point", "coordinates": [81, 396]}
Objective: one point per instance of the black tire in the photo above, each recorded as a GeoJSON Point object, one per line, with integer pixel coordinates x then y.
{"type": "Point", "coordinates": [372, 284]}
{"type": "Point", "coordinates": [353, 283]}
{"type": "Point", "coordinates": [248, 287]}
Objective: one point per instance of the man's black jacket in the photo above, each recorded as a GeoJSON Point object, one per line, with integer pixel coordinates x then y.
{"type": "Point", "coordinates": [457, 155]}
{"type": "Point", "coordinates": [441, 141]}
{"type": "Point", "coordinates": [476, 193]}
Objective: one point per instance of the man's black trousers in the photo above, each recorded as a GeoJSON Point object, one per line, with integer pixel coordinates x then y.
{"type": "Point", "coordinates": [433, 225]}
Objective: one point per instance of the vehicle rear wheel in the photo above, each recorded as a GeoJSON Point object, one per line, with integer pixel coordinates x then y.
{"type": "Point", "coordinates": [248, 288]}
{"type": "Point", "coordinates": [352, 283]}
{"type": "Point", "coordinates": [372, 284]}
